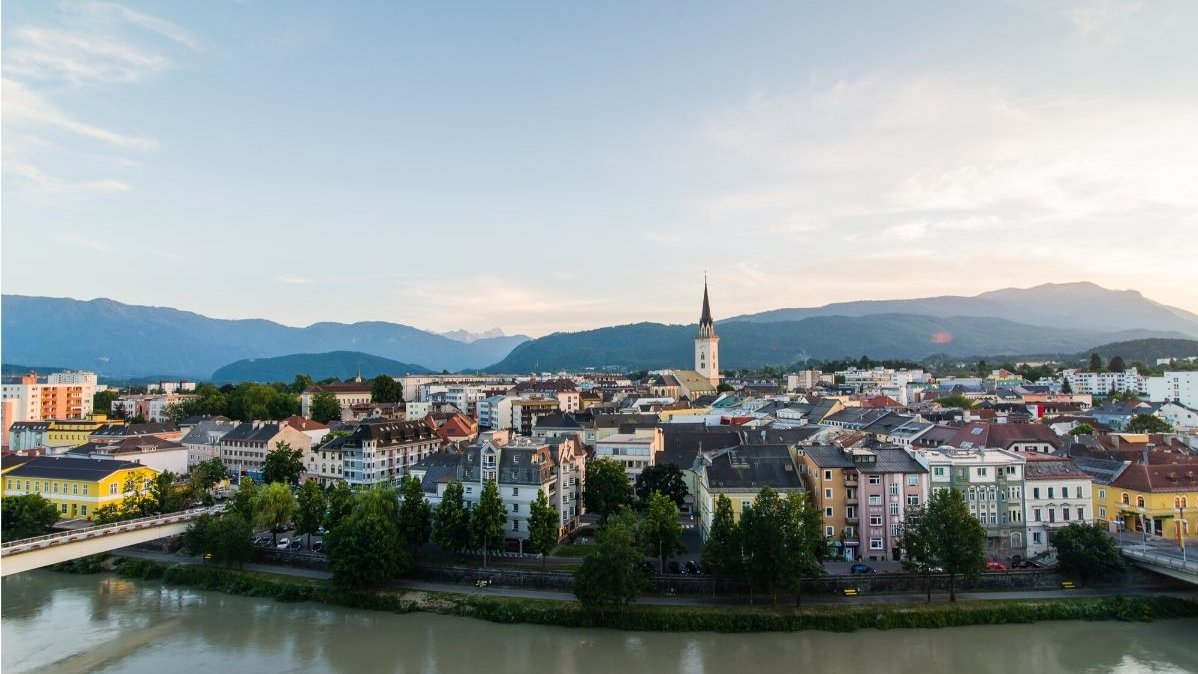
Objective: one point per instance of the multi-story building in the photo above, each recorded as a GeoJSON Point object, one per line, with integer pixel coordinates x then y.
{"type": "Point", "coordinates": [25, 435]}
{"type": "Point", "coordinates": [202, 440]}
{"type": "Point", "coordinates": [347, 394]}
{"type": "Point", "coordinates": [63, 395]}
{"type": "Point", "coordinates": [890, 483]}
{"type": "Point", "coordinates": [635, 451]}
{"type": "Point", "coordinates": [244, 448]}
{"type": "Point", "coordinates": [150, 451]}
{"type": "Point", "coordinates": [118, 432]}
{"type": "Point", "coordinates": [1056, 494]}
{"type": "Point", "coordinates": [803, 380]}
{"type": "Point", "coordinates": [383, 451]}
{"type": "Point", "coordinates": [991, 481]}
{"type": "Point", "coordinates": [525, 412]}
{"type": "Point", "coordinates": [1179, 387]}
{"type": "Point", "coordinates": [1153, 499]}
{"type": "Point", "coordinates": [151, 407]}
{"type": "Point", "coordinates": [76, 486]}
{"type": "Point", "coordinates": [1104, 383]}
{"type": "Point", "coordinates": [495, 412]}
{"type": "Point", "coordinates": [739, 473]}
{"type": "Point", "coordinates": [1029, 438]}
{"type": "Point", "coordinates": [521, 467]}
{"type": "Point", "coordinates": [75, 432]}
{"type": "Point", "coordinates": [835, 485]}
{"type": "Point", "coordinates": [563, 391]}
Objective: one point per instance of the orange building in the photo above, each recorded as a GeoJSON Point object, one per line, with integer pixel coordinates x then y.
{"type": "Point", "coordinates": [63, 395]}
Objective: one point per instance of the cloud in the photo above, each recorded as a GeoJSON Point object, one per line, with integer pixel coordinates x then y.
{"type": "Point", "coordinates": [85, 242]}
{"type": "Point", "coordinates": [45, 53]}
{"type": "Point", "coordinates": [294, 280]}
{"type": "Point", "coordinates": [23, 104]}
{"type": "Point", "coordinates": [154, 24]}
{"type": "Point", "coordinates": [55, 186]}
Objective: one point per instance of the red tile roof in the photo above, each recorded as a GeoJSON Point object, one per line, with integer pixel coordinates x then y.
{"type": "Point", "coordinates": [1158, 478]}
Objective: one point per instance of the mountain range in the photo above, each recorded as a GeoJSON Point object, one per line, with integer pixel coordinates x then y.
{"type": "Point", "coordinates": [343, 365]}
{"type": "Point", "coordinates": [121, 340]}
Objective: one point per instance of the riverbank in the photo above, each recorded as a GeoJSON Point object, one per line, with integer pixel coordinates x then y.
{"type": "Point", "coordinates": [663, 618]}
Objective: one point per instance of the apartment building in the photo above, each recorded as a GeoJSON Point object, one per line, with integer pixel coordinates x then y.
{"type": "Point", "coordinates": [992, 483]}
{"type": "Point", "coordinates": [1057, 494]}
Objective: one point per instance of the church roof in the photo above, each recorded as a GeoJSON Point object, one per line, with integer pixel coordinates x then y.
{"type": "Point", "coordinates": [706, 324]}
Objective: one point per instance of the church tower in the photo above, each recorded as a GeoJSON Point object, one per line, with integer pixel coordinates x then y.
{"type": "Point", "coordinates": [707, 344]}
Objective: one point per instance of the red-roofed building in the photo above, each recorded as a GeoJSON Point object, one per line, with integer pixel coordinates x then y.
{"type": "Point", "coordinates": [1153, 498]}
{"type": "Point", "coordinates": [453, 427]}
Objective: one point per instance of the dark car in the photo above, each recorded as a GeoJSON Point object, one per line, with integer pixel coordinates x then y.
{"type": "Point", "coordinates": [297, 545]}
{"type": "Point", "coordinates": [861, 569]}
{"type": "Point", "coordinates": [693, 567]}
{"type": "Point", "coordinates": [675, 567]}
{"type": "Point", "coordinates": [317, 546]}
{"type": "Point", "coordinates": [648, 568]}
{"type": "Point", "coordinates": [1026, 564]}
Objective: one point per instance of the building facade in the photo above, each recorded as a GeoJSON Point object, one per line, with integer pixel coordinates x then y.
{"type": "Point", "coordinates": [1056, 495]}
{"type": "Point", "coordinates": [991, 481]}
{"type": "Point", "coordinates": [77, 486]}
{"type": "Point", "coordinates": [707, 344]}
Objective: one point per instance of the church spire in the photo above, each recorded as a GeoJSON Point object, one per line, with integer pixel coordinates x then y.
{"type": "Point", "coordinates": [706, 324]}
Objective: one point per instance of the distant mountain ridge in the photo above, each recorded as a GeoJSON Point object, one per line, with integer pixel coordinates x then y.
{"type": "Point", "coordinates": [748, 344]}
{"type": "Point", "coordinates": [468, 337]}
{"type": "Point", "coordinates": [1081, 305]}
{"type": "Point", "coordinates": [343, 365]}
{"type": "Point", "coordinates": [123, 340]}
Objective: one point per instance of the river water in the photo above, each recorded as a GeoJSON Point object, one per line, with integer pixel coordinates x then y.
{"type": "Point", "coordinates": [65, 624]}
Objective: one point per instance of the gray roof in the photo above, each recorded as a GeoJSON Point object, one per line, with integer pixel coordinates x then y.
{"type": "Point", "coordinates": [203, 429]}
{"type": "Point", "coordinates": [388, 433]}
{"type": "Point", "coordinates": [887, 423]}
{"type": "Point", "coordinates": [122, 430]}
{"type": "Point", "coordinates": [892, 460]}
{"type": "Point", "coordinates": [70, 468]}
{"type": "Point", "coordinates": [754, 467]}
{"type": "Point", "coordinates": [252, 431]}
{"type": "Point", "coordinates": [557, 421]}
{"type": "Point", "coordinates": [683, 441]}
{"type": "Point", "coordinates": [829, 456]}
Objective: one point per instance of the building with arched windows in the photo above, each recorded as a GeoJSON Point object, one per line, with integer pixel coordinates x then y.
{"type": "Point", "coordinates": [1156, 499]}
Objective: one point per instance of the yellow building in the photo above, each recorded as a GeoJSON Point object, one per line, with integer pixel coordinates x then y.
{"type": "Point", "coordinates": [77, 487]}
{"type": "Point", "coordinates": [1157, 499]}
{"type": "Point", "coordinates": [75, 432]}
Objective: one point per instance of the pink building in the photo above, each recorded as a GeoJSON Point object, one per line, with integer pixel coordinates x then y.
{"type": "Point", "coordinates": [890, 483]}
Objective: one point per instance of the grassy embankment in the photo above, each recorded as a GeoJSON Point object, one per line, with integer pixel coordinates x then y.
{"type": "Point", "coordinates": [666, 618]}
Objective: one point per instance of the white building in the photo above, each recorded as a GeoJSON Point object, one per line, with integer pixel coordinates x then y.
{"type": "Point", "coordinates": [1179, 416]}
{"type": "Point", "coordinates": [383, 451]}
{"type": "Point", "coordinates": [1104, 383]}
{"type": "Point", "coordinates": [1180, 387]}
{"type": "Point", "coordinates": [991, 481]}
{"type": "Point", "coordinates": [803, 379]}
{"type": "Point", "coordinates": [635, 451]}
{"type": "Point", "coordinates": [495, 412]}
{"type": "Point", "coordinates": [1056, 495]}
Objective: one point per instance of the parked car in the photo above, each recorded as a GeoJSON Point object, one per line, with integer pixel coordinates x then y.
{"type": "Point", "coordinates": [675, 567]}
{"type": "Point", "coordinates": [283, 543]}
{"type": "Point", "coordinates": [995, 566]}
{"type": "Point", "coordinates": [320, 530]}
{"type": "Point", "coordinates": [693, 567]}
{"type": "Point", "coordinates": [1026, 564]}
{"type": "Point", "coordinates": [297, 545]}
{"type": "Point", "coordinates": [648, 568]}
{"type": "Point", "coordinates": [858, 569]}
{"type": "Point", "coordinates": [317, 546]}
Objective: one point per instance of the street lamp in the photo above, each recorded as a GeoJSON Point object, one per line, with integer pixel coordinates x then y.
{"type": "Point", "coordinates": [1181, 541]}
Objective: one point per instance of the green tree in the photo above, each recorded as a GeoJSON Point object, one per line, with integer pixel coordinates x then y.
{"type": "Point", "coordinates": [384, 389]}
{"type": "Point", "coordinates": [26, 516]}
{"type": "Point", "coordinates": [300, 383]}
{"type": "Point", "coordinates": [487, 520]}
{"type": "Point", "coordinates": [722, 551]}
{"type": "Point", "coordinates": [660, 530]}
{"type": "Point", "coordinates": [325, 407]}
{"type": "Point", "coordinates": [1147, 423]}
{"type": "Point", "coordinates": [137, 502]}
{"type": "Point", "coordinates": [197, 538]}
{"type": "Point", "coordinates": [273, 506]}
{"type": "Point", "coordinates": [607, 488]}
{"type": "Point", "coordinates": [102, 401]}
{"type": "Point", "coordinates": [1116, 364]}
{"type": "Point", "coordinates": [244, 499]}
{"type": "Point", "coordinates": [207, 474]}
{"type": "Point", "coordinates": [917, 542]}
{"type": "Point", "coordinates": [802, 526]}
{"type": "Point", "coordinates": [415, 514]}
{"type": "Point", "coordinates": [956, 400]}
{"type": "Point", "coordinates": [959, 539]}
{"type": "Point", "coordinates": [230, 539]}
{"type": "Point", "coordinates": [1066, 387]}
{"type": "Point", "coordinates": [1082, 429]}
{"type": "Point", "coordinates": [1087, 550]}
{"type": "Point", "coordinates": [763, 542]}
{"type": "Point", "coordinates": [283, 464]}
{"type": "Point", "coordinates": [1095, 362]}
{"type": "Point", "coordinates": [451, 524]}
{"type": "Point", "coordinates": [663, 478]}
{"type": "Point", "coordinates": [367, 547]}
{"type": "Point", "coordinates": [310, 508]}
{"type": "Point", "coordinates": [610, 578]}
{"type": "Point", "coordinates": [542, 526]}
{"type": "Point", "coordinates": [340, 500]}
{"type": "Point", "coordinates": [165, 496]}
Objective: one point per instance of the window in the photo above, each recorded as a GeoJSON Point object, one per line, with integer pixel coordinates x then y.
{"type": "Point", "coordinates": [827, 493]}
{"type": "Point", "coordinates": [1124, 499]}
{"type": "Point", "coordinates": [983, 472]}
{"type": "Point", "coordinates": [74, 488]}
{"type": "Point", "coordinates": [938, 471]}
{"type": "Point", "coordinates": [829, 532]}
{"type": "Point", "coordinates": [1035, 514]}
{"type": "Point", "coordinates": [83, 510]}
{"type": "Point", "coordinates": [1065, 514]}
{"type": "Point", "coordinates": [875, 479]}
{"type": "Point", "coordinates": [64, 508]}
{"type": "Point", "coordinates": [912, 480]}
{"type": "Point", "coordinates": [875, 520]}
{"type": "Point", "coordinates": [1081, 514]}
{"type": "Point", "coordinates": [1101, 513]}
{"type": "Point", "coordinates": [10, 484]}
{"type": "Point", "coordinates": [1064, 492]}
{"type": "Point", "coordinates": [896, 530]}
{"type": "Point", "coordinates": [55, 487]}
{"type": "Point", "coordinates": [1139, 501]}
{"type": "Point", "coordinates": [745, 504]}
{"type": "Point", "coordinates": [1035, 492]}
{"type": "Point", "coordinates": [1102, 493]}
{"type": "Point", "coordinates": [912, 500]}
{"type": "Point", "coordinates": [515, 525]}
{"type": "Point", "coordinates": [875, 544]}
{"type": "Point", "coordinates": [469, 490]}
{"type": "Point", "coordinates": [828, 475]}
{"type": "Point", "coordinates": [515, 507]}
{"type": "Point", "coordinates": [1052, 514]}
{"type": "Point", "coordinates": [875, 499]}
{"type": "Point", "coordinates": [1050, 492]}
{"type": "Point", "coordinates": [1037, 537]}
{"type": "Point", "coordinates": [850, 512]}
{"type": "Point", "coordinates": [894, 489]}
{"type": "Point", "coordinates": [827, 512]}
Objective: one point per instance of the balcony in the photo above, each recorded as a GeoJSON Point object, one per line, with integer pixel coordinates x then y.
{"type": "Point", "coordinates": [851, 500]}
{"type": "Point", "coordinates": [850, 480]}
{"type": "Point", "coordinates": [852, 519]}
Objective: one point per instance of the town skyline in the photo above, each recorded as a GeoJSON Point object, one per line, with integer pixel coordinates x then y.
{"type": "Point", "coordinates": [580, 173]}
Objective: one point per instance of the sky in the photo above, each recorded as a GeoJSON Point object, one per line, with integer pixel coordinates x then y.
{"type": "Point", "coordinates": [562, 166]}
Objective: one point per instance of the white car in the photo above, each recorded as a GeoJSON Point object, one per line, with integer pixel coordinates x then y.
{"type": "Point", "coordinates": [283, 543]}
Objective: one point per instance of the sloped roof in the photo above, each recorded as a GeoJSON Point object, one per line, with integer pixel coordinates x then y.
{"type": "Point", "coordinates": [754, 467]}
{"type": "Point", "coordinates": [1002, 436]}
{"type": "Point", "coordinates": [71, 468]}
{"type": "Point", "coordinates": [1158, 478]}
{"type": "Point", "coordinates": [1047, 467]}
{"type": "Point", "coordinates": [829, 456]}
{"type": "Point", "coordinates": [251, 431]}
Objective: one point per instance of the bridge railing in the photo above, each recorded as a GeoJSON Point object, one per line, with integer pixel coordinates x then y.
{"type": "Point", "coordinates": [47, 540]}
{"type": "Point", "coordinates": [1162, 559]}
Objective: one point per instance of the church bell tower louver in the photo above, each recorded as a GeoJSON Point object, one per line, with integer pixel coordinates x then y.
{"type": "Point", "coordinates": [707, 344]}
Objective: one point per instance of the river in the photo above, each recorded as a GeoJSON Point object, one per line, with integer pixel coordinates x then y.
{"type": "Point", "coordinates": [65, 624]}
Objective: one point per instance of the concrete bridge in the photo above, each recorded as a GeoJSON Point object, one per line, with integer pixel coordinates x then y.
{"type": "Point", "coordinates": [1168, 564]}
{"type": "Point", "coordinates": [34, 553]}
